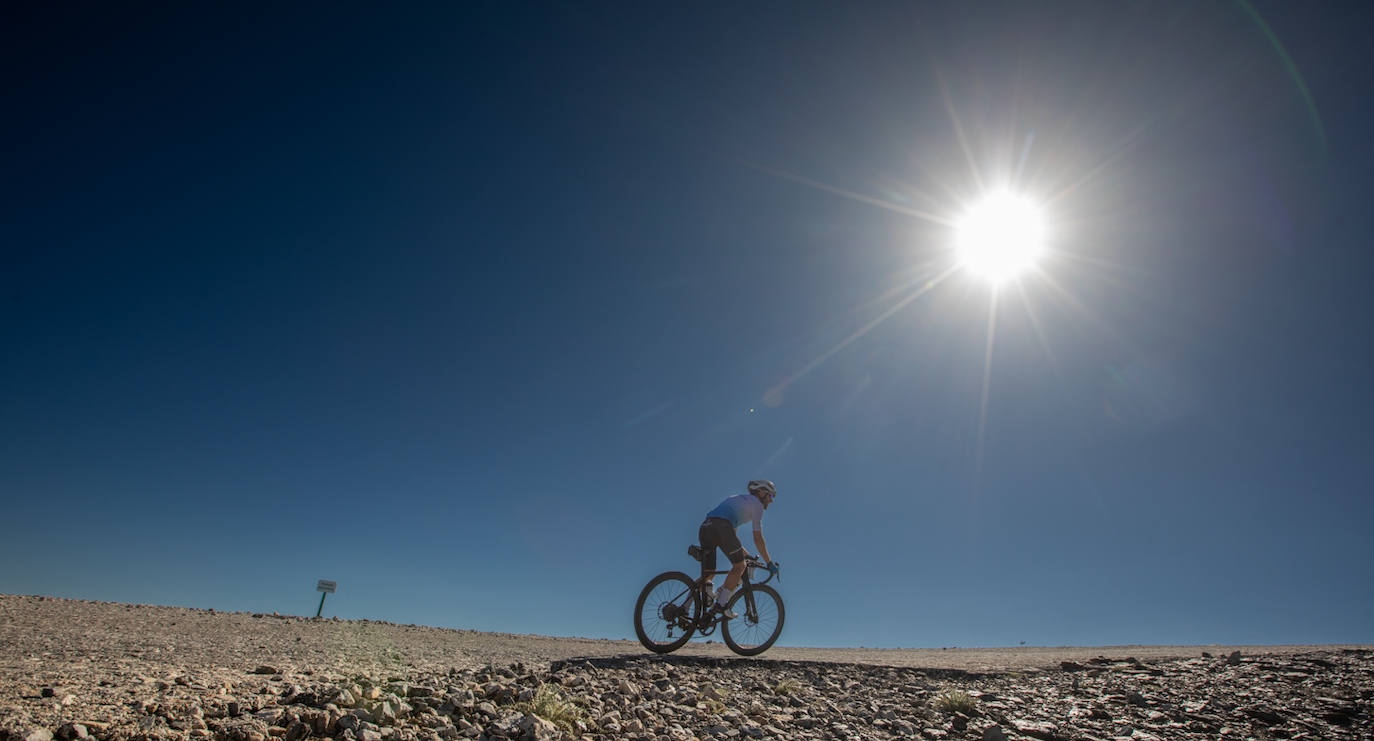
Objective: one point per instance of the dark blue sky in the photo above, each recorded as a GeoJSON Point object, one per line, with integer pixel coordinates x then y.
{"type": "Point", "coordinates": [477, 309]}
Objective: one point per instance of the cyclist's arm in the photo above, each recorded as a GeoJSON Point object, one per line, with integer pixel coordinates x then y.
{"type": "Point", "coordinates": [762, 546]}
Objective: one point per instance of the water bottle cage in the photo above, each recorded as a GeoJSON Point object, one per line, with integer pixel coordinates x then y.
{"type": "Point", "coordinates": [694, 551]}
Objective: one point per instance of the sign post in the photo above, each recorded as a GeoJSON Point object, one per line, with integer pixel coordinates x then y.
{"type": "Point", "coordinates": [325, 588]}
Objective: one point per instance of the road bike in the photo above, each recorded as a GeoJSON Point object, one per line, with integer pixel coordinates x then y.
{"type": "Point", "coordinates": [672, 607]}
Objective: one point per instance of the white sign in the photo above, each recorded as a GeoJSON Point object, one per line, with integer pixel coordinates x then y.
{"type": "Point", "coordinates": [326, 586]}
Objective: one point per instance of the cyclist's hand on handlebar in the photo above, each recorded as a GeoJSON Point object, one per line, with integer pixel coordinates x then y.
{"type": "Point", "coordinates": [774, 567]}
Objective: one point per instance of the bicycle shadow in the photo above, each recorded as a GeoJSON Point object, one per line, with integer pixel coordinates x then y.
{"type": "Point", "coordinates": [642, 660]}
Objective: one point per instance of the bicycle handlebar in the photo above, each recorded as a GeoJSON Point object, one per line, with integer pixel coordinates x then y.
{"type": "Point", "coordinates": [774, 570]}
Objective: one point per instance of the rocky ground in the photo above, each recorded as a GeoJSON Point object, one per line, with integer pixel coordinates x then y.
{"type": "Point", "coordinates": [79, 670]}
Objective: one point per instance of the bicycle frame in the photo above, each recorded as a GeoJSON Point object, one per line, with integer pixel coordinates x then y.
{"type": "Point", "coordinates": [750, 611]}
{"type": "Point", "coordinates": [750, 565]}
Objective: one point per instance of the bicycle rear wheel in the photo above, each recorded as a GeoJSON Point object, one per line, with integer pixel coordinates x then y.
{"type": "Point", "coordinates": [667, 605]}
{"type": "Point", "coordinates": [759, 623]}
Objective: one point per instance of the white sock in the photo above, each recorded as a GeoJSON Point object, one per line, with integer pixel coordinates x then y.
{"type": "Point", "coordinates": [723, 596]}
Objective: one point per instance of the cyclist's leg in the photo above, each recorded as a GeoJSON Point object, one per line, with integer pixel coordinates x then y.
{"type": "Point", "coordinates": [707, 536]}
{"type": "Point", "coordinates": [734, 550]}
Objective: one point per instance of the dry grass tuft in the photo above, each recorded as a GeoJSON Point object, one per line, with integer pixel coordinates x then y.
{"type": "Point", "coordinates": [549, 704]}
{"type": "Point", "coordinates": [954, 701]}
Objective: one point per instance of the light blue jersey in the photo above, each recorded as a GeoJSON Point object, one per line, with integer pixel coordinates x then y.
{"type": "Point", "coordinates": [740, 509]}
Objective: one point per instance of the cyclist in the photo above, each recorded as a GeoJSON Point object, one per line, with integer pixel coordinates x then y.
{"type": "Point", "coordinates": [718, 531]}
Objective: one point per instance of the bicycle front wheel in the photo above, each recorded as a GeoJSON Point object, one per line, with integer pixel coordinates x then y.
{"type": "Point", "coordinates": [759, 623]}
{"type": "Point", "coordinates": [665, 613]}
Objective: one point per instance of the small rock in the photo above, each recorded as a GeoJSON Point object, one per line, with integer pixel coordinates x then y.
{"type": "Point", "coordinates": [534, 728]}
{"type": "Point", "coordinates": [995, 733]}
{"type": "Point", "coordinates": [266, 669]}
{"type": "Point", "coordinates": [1266, 717]}
{"type": "Point", "coordinates": [1233, 659]}
{"type": "Point", "coordinates": [385, 714]}
{"type": "Point", "coordinates": [1036, 729]}
{"type": "Point", "coordinates": [38, 734]}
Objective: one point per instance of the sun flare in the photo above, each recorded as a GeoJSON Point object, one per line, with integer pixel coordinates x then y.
{"type": "Point", "coordinates": [1000, 237]}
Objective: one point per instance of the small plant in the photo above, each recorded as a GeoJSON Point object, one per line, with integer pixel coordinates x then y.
{"type": "Point", "coordinates": [713, 706]}
{"type": "Point", "coordinates": [954, 701]}
{"type": "Point", "coordinates": [787, 688]}
{"type": "Point", "coordinates": [550, 705]}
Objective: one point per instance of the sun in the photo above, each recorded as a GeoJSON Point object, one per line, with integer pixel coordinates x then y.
{"type": "Point", "coordinates": [1000, 237]}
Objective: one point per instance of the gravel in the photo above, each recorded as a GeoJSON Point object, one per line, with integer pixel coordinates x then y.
{"type": "Point", "coordinates": [73, 669]}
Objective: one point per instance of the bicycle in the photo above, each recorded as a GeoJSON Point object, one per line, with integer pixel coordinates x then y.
{"type": "Point", "coordinates": [673, 601]}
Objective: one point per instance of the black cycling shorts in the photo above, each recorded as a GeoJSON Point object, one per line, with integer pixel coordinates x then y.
{"type": "Point", "coordinates": [717, 533]}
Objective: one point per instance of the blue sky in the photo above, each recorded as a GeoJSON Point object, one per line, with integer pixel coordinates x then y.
{"type": "Point", "coordinates": [477, 310]}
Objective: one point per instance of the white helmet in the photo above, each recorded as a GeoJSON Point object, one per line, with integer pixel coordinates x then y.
{"type": "Point", "coordinates": [763, 489]}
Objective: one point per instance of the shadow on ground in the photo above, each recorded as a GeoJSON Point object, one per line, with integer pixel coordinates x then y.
{"type": "Point", "coordinates": [636, 661]}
